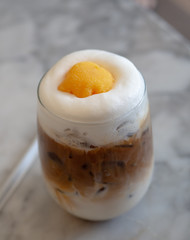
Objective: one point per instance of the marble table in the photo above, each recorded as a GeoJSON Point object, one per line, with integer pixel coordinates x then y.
{"type": "Point", "coordinates": [33, 36]}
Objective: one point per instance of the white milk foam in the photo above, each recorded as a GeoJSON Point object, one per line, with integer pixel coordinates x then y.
{"type": "Point", "coordinates": [103, 113]}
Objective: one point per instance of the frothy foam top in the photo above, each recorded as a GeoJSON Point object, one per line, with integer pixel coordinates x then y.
{"type": "Point", "coordinates": [127, 92]}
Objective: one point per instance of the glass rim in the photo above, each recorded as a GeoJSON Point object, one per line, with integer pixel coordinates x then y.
{"type": "Point", "coordinates": [93, 122]}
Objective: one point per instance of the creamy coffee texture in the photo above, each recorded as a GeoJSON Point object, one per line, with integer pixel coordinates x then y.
{"type": "Point", "coordinates": [96, 152]}
{"type": "Point", "coordinates": [126, 94]}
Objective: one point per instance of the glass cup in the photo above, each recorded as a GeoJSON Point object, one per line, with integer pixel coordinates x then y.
{"type": "Point", "coordinates": [97, 182]}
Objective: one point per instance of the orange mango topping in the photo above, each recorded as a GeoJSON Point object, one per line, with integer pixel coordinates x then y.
{"type": "Point", "coordinates": [85, 79]}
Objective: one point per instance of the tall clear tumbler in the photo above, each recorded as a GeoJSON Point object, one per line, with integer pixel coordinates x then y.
{"type": "Point", "coordinates": [96, 182]}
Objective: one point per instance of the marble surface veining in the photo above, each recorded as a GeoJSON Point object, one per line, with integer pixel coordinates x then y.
{"type": "Point", "coordinates": [33, 36]}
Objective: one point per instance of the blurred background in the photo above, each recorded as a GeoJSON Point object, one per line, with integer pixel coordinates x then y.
{"type": "Point", "coordinates": [175, 12]}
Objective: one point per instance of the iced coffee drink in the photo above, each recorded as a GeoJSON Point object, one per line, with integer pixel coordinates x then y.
{"type": "Point", "coordinates": [95, 137]}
